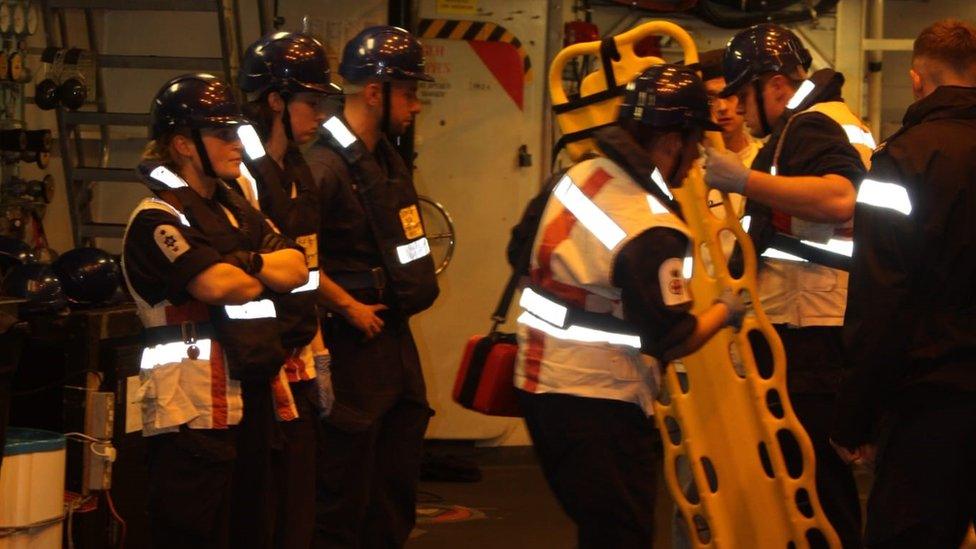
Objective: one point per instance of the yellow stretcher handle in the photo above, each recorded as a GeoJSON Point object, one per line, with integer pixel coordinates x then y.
{"type": "Point", "coordinates": [624, 69]}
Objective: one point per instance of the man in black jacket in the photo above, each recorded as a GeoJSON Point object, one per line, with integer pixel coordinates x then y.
{"type": "Point", "coordinates": [801, 190]}
{"type": "Point", "coordinates": [910, 328]}
{"type": "Point", "coordinates": [377, 273]}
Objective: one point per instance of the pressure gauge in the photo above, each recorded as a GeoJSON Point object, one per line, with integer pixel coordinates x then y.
{"type": "Point", "coordinates": [15, 66]}
{"type": "Point", "coordinates": [33, 17]}
{"type": "Point", "coordinates": [43, 160]}
{"type": "Point", "coordinates": [5, 18]}
{"type": "Point", "coordinates": [19, 14]}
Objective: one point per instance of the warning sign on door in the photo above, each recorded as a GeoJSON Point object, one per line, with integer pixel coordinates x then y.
{"type": "Point", "coordinates": [457, 7]}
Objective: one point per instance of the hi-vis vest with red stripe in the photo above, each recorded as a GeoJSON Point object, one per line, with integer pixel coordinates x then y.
{"type": "Point", "coordinates": [594, 211]}
{"type": "Point", "coordinates": [801, 293]}
{"type": "Point", "coordinates": [175, 389]}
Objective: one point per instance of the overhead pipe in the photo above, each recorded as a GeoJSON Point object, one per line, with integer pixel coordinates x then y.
{"type": "Point", "coordinates": [876, 27]}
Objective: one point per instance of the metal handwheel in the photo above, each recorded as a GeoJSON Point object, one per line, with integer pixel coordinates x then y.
{"type": "Point", "coordinates": [440, 231]}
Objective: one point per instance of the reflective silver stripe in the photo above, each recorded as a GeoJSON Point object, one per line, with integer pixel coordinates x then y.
{"type": "Point", "coordinates": [588, 213]}
{"type": "Point", "coordinates": [312, 284]}
{"type": "Point", "coordinates": [746, 222]}
{"type": "Point", "coordinates": [166, 176]}
{"type": "Point", "coordinates": [858, 136]}
{"type": "Point", "coordinates": [834, 245]}
{"type": "Point", "coordinates": [688, 267]}
{"type": "Point", "coordinates": [658, 180]}
{"type": "Point", "coordinates": [543, 307]}
{"type": "Point", "coordinates": [773, 253]}
{"type": "Point", "coordinates": [253, 147]}
{"type": "Point", "coordinates": [168, 353]}
{"type": "Point", "coordinates": [157, 204]}
{"type": "Point", "coordinates": [253, 182]}
{"type": "Point", "coordinates": [884, 195]}
{"type": "Point", "coordinates": [579, 333]}
{"type": "Point", "coordinates": [656, 206]}
{"type": "Point", "coordinates": [801, 93]}
{"type": "Point", "coordinates": [339, 131]}
{"type": "Point", "coordinates": [263, 308]}
{"type": "Point", "coordinates": [413, 251]}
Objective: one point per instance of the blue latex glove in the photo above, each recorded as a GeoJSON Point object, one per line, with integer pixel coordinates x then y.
{"type": "Point", "coordinates": [323, 377]}
{"type": "Point", "coordinates": [736, 306]}
{"type": "Point", "coordinates": [724, 171]}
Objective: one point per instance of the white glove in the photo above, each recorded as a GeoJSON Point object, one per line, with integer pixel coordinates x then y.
{"type": "Point", "coordinates": [724, 171]}
{"type": "Point", "coordinates": [736, 306]}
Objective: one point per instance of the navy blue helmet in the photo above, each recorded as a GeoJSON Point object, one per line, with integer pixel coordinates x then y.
{"type": "Point", "coordinates": [89, 276]}
{"type": "Point", "coordinates": [38, 284]}
{"type": "Point", "coordinates": [758, 50]}
{"type": "Point", "coordinates": [383, 53]}
{"type": "Point", "coordinates": [14, 252]}
{"type": "Point", "coordinates": [666, 96]}
{"type": "Point", "coordinates": [286, 62]}
{"type": "Point", "coordinates": [194, 101]}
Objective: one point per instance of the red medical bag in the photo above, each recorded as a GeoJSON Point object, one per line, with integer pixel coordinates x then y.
{"type": "Point", "coordinates": [485, 378]}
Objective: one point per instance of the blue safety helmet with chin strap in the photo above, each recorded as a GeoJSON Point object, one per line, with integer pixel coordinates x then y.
{"type": "Point", "coordinates": [758, 50]}
{"type": "Point", "coordinates": [383, 53]}
{"type": "Point", "coordinates": [286, 62]}
{"type": "Point", "coordinates": [195, 102]}
{"type": "Point", "coordinates": [667, 96]}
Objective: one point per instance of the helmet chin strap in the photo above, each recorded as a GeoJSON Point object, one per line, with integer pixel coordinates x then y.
{"type": "Point", "coordinates": [202, 152]}
{"type": "Point", "coordinates": [760, 104]}
{"type": "Point", "coordinates": [385, 124]}
{"type": "Point", "coordinates": [286, 116]}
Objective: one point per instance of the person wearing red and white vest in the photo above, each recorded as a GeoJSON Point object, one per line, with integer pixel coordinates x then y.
{"type": "Point", "coordinates": [608, 305]}
{"type": "Point", "coordinates": [801, 190]}
{"type": "Point", "coordinates": [200, 263]}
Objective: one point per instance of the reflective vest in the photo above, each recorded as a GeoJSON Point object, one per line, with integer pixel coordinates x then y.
{"type": "Point", "coordinates": [288, 199]}
{"type": "Point", "coordinates": [180, 385]}
{"type": "Point", "coordinates": [249, 333]}
{"type": "Point", "coordinates": [177, 385]}
{"type": "Point", "coordinates": [572, 336]}
{"type": "Point", "coordinates": [793, 290]}
{"type": "Point", "coordinates": [392, 212]}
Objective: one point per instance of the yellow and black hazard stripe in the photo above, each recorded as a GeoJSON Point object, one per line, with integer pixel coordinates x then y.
{"type": "Point", "coordinates": [458, 29]}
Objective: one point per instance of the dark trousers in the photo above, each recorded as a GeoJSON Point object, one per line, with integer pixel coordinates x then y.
{"type": "Point", "coordinates": [274, 479]}
{"type": "Point", "coordinates": [601, 459]}
{"type": "Point", "coordinates": [814, 357]}
{"type": "Point", "coordinates": [255, 486]}
{"type": "Point", "coordinates": [190, 488]}
{"type": "Point", "coordinates": [372, 442]}
{"type": "Point", "coordinates": [924, 493]}
{"type": "Point", "coordinates": [295, 470]}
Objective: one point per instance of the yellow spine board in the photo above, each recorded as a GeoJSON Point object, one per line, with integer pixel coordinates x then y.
{"type": "Point", "coordinates": [726, 423]}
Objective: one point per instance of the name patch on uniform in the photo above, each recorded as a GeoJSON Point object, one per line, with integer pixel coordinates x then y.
{"type": "Point", "coordinates": [674, 287]}
{"type": "Point", "coordinates": [170, 241]}
{"type": "Point", "coordinates": [310, 243]}
{"type": "Point", "coordinates": [410, 219]}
